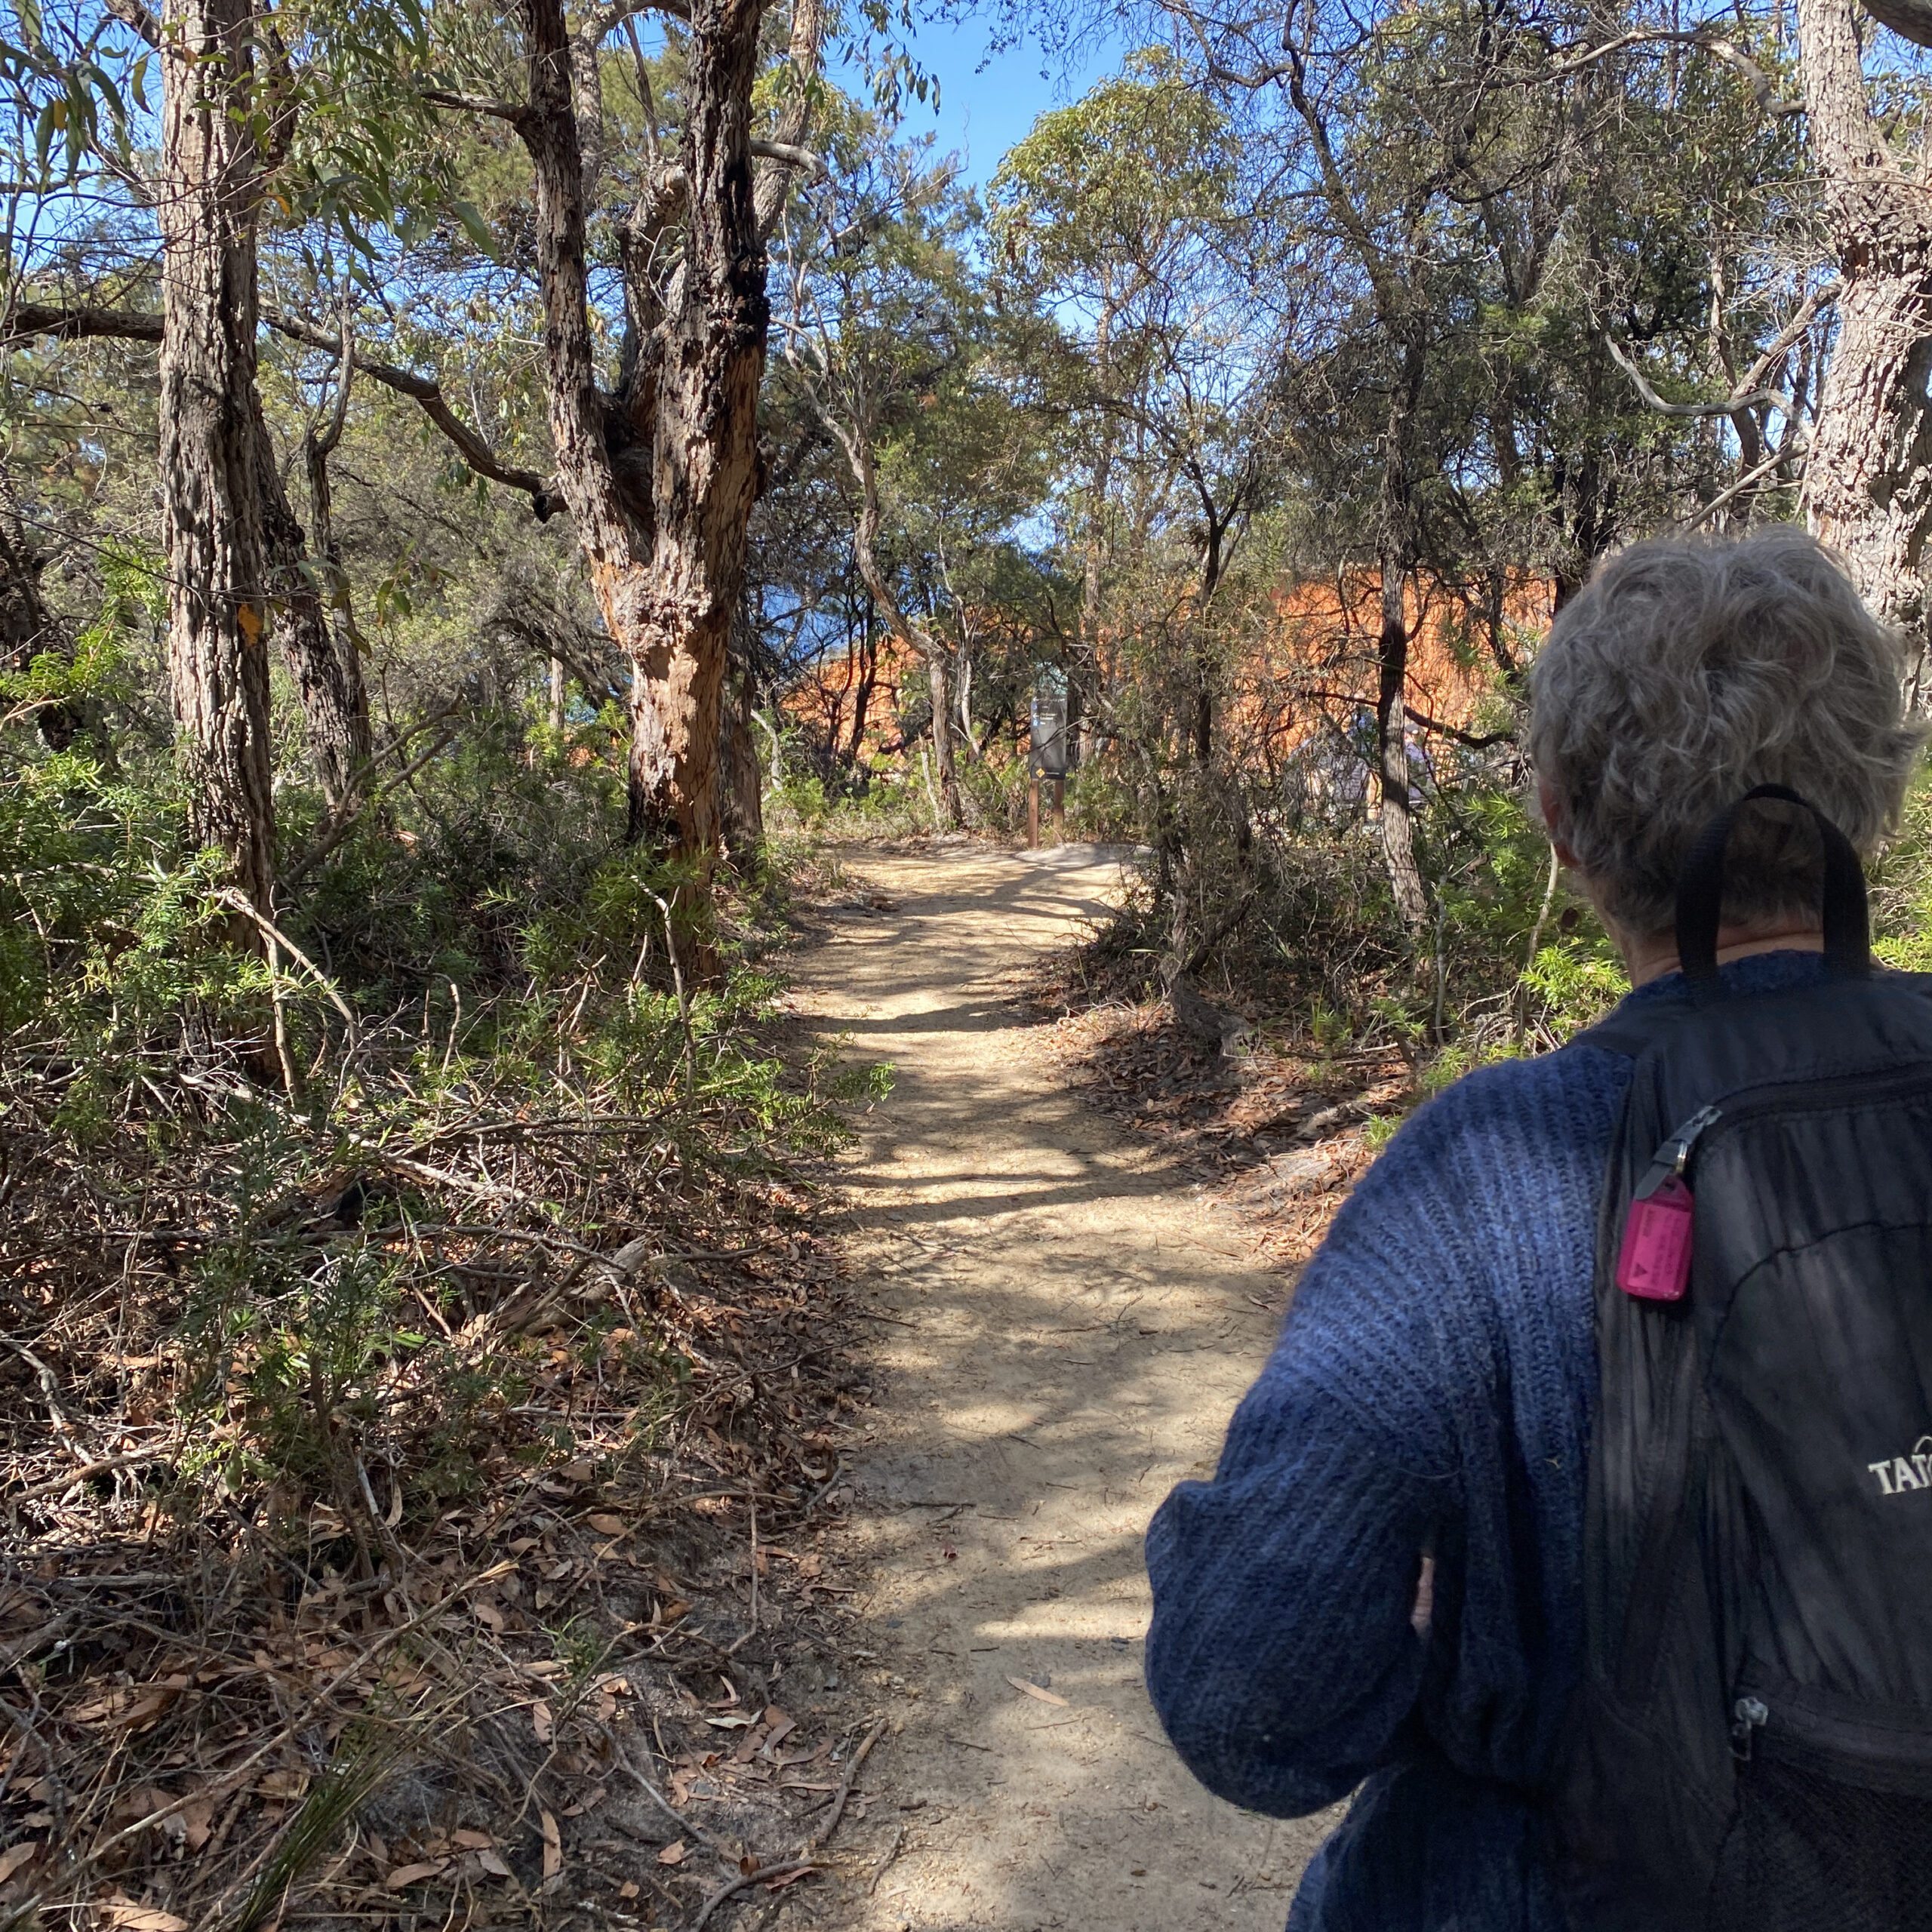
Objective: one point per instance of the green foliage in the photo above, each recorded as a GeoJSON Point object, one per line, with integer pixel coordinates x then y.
{"type": "Point", "coordinates": [1901, 886]}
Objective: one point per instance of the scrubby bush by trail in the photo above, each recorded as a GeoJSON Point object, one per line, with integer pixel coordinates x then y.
{"type": "Point", "coordinates": [390, 1285]}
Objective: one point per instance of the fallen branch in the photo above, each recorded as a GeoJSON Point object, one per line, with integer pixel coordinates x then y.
{"type": "Point", "coordinates": [831, 1824]}
{"type": "Point", "coordinates": [710, 1840]}
{"type": "Point", "coordinates": [132, 1461]}
{"type": "Point", "coordinates": [756, 1876]}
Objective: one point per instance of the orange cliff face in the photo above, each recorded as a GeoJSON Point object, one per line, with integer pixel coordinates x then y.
{"type": "Point", "coordinates": [1315, 673]}
{"type": "Point", "coordinates": [1318, 671]}
{"type": "Point", "coordinates": [859, 684]}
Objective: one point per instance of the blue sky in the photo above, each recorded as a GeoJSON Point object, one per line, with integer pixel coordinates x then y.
{"type": "Point", "coordinates": [989, 100]}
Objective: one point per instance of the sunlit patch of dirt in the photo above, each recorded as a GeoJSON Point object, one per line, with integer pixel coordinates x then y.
{"type": "Point", "coordinates": [1278, 1136]}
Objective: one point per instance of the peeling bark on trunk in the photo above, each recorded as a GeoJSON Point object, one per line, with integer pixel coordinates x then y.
{"type": "Point", "coordinates": [212, 484]}
{"type": "Point", "coordinates": [660, 483]}
{"type": "Point", "coordinates": [1868, 476]}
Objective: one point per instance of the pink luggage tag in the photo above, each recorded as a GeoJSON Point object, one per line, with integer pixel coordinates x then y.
{"type": "Point", "coordinates": [1654, 1263]}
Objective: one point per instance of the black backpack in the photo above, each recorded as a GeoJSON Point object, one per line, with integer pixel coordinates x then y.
{"type": "Point", "coordinates": [1750, 1747]}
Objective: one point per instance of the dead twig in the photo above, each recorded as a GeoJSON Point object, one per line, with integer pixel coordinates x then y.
{"type": "Point", "coordinates": [892, 1851]}
{"type": "Point", "coordinates": [100, 1468]}
{"type": "Point", "coordinates": [708, 1839]}
{"type": "Point", "coordinates": [758, 1875]}
{"type": "Point", "coordinates": [837, 1811]}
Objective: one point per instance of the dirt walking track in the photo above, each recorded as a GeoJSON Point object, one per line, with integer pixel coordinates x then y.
{"type": "Point", "coordinates": [1062, 1331]}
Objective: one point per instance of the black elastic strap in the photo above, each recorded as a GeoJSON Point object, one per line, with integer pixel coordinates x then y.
{"type": "Point", "coordinates": [1700, 897]}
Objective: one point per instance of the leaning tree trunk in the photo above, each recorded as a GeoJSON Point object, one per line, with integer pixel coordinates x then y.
{"type": "Point", "coordinates": [210, 179]}
{"type": "Point", "coordinates": [335, 707]}
{"type": "Point", "coordinates": [1868, 474]}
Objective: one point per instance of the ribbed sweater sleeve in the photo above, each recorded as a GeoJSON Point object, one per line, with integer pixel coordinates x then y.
{"type": "Point", "coordinates": [1430, 1392]}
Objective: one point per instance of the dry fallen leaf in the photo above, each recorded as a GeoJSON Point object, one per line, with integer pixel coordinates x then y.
{"type": "Point", "coordinates": [410, 1874]}
{"type": "Point", "coordinates": [492, 1864]}
{"type": "Point", "coordinates": [1034, 1690]}
{"type": "Point", "coordinates": [607, 1526]}
{"type": "Point", "coordinates": [543, 1722]}
{"type": "Point", "coordinates": [15, 1856]}
{"type": "Point", "coordinates": [629, 1889]}
{"type": "Point", "coordinates": [673, 1854]}
{"type": "Point", "coordinates": [553, 1846]}
{"type": "Point", "coordinates": [198, 1822]}
{"type": "Point", "coordinates": [472, 1841]}
{"type": "Point", "coordinates": [126, 1916]}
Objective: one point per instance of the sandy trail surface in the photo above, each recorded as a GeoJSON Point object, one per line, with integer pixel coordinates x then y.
{"type": "Point", "coordinates": [1063, 1328]}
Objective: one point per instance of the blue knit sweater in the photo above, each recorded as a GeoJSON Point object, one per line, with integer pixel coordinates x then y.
{"type": "Point", "coordinates": [1433, 1390]}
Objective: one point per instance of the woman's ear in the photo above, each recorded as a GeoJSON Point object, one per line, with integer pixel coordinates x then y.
{"type": "Point", "coordinates": [1553, 820]}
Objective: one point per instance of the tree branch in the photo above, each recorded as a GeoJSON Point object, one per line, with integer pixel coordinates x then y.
{"type": "Point", "coordinates": [607, 18]}
{"type": "Point", "coordinates": [1813, 305]}
{"type": "Point", "coordinates": [1730, 406]}
{"type": "Point", "coordinates": [793, 156]}
{"type": "Point", "coordinates": [428, 394]}
{"type": "Point", "coordinates": [27, 319]}
{"type": "Point", "coordinates": [1764, 89]}
{"type": "Point", "coordinates": [516, 113]}
{"type": "Point", "coordinates": [1484, 742]}
{"type": "Point", "coordinates": [136, 17]}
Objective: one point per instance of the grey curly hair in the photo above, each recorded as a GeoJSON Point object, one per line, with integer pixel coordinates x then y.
{"type": "Point", "coordinates": [1686, 671]}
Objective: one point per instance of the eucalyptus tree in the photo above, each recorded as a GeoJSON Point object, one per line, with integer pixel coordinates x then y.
{"type": "Point", "coordinates": [659, 470]}
{"type": "Point", "coordinates": [1129, 219]}
{"type": "Point", "coordinates": [167, 141]}
{"type": "Point", "coordinates": [915, 382]}
{"type": "Point", "coordinates": [1868, 485]}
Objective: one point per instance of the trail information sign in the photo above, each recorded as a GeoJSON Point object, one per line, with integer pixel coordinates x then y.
{"type": "Point", "coordinates": [1049, 722]}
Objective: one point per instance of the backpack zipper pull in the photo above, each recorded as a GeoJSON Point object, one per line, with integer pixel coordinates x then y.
{"type": "Point", "coordinates": [1673, 1156]}
{"type": "Point", "coordinates": [1748, 1718]}
{"type": "Point", "coordinates": [1654, 1263]}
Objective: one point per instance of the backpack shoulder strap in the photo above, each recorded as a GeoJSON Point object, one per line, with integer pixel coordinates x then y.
{"type": "Point", "coordinates": [1630, 1029]}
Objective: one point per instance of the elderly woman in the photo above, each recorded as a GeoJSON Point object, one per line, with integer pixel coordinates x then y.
{"type": "Point", "coordinates": [1381, 1591]}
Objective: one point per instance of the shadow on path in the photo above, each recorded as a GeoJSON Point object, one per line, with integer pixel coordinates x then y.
{"type": "Point", "coordinates": [1070, 1330]}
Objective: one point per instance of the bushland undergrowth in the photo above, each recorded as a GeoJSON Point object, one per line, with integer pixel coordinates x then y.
{"type": "Point", "coordinates": [400, 1293]}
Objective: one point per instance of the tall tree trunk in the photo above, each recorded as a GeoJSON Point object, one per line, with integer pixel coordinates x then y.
{"type": "Point", "coordinates": [1868, 476]}
{"type": "Point", "coordinates": [1391, 745]}
{"type": "Point", "coordinates": [1093, 562]}
{"type": "Point", "coordinates": [741, 791]}
{"type": "Point", "coordinates": [914, 638]}
{"type": "Point", "coordinates": [212, 485]}
{"type": "Point", "coordinates": [939, 682]}
{"type": "Point", "coordinates": [861, 692]}
{"type": "Point", "coordinates": [335, 707]}
{"type": "Point", "coordinates": [666, 546]}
